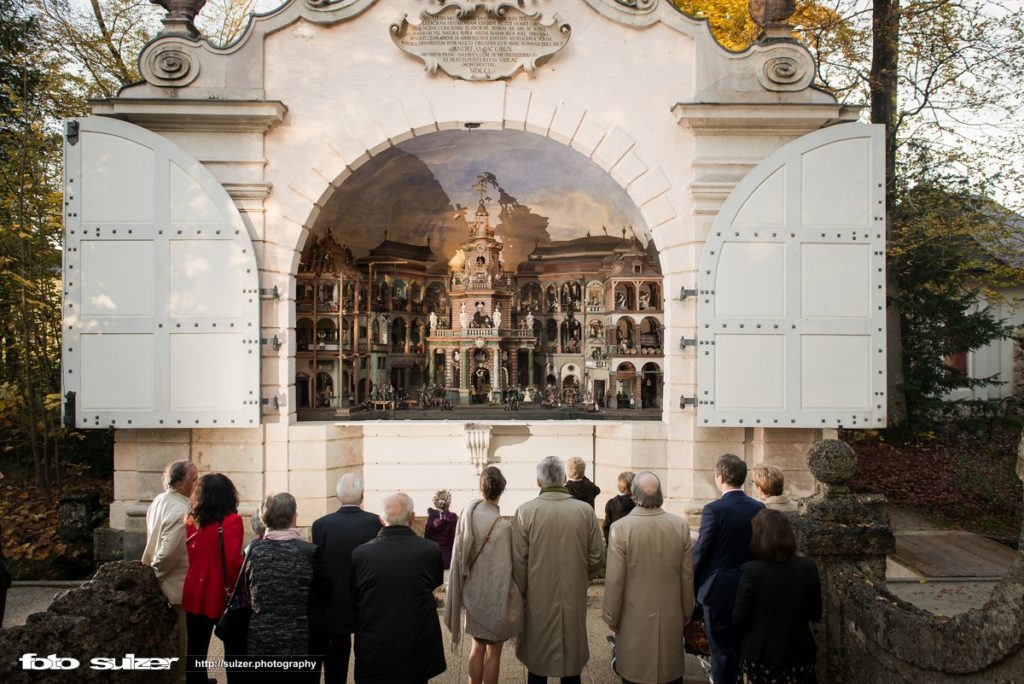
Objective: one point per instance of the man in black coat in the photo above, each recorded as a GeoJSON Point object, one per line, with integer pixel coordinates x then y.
{"type": "Point", "coordinates": [723, 545]}
{"type": "Point", "coordinates": [398, 634]}
{"type": "Point", "coordinates": [337, 535]}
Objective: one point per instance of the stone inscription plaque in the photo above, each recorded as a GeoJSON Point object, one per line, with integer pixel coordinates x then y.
{"type": "Point", "coordinates": [481, 41]}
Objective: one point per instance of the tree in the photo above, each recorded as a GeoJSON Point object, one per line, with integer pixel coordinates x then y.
{"type": "Point", "coordinates": [34, 94]}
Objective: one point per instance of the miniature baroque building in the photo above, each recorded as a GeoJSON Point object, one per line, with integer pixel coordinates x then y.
{"type": "Point", "coordinates": [578, 323]}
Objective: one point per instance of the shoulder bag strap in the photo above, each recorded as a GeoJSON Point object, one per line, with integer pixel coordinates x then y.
{"type": "Point", "coordinates": [472, 559]}
{"type": "Point", "coordinates": [223, 560]}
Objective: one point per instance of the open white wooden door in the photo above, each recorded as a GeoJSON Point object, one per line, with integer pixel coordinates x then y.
{"type": "Point", "coordinates": [161, 291]}
{"type": "Point", "coordinates": [791, 308]}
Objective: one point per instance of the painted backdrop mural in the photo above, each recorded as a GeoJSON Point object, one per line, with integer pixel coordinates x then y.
{"type": "Point", "coordinates": [479, 267]}
{"type": "Point", "coordinates": [540, 191]}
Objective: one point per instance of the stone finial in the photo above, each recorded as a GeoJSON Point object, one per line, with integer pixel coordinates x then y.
{"type": "Point", "coordinates": [773, 17]}
{"type": "Point", "coordinates": [180, 17]}
{"type": "Point", "coordinates": [768, 12]}
{"type": "Point", "coordinates": [832, 462]}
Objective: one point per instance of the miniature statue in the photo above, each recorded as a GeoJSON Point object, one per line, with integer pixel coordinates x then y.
{"type": "Point", "coordinates": [463, 317]}
{"type": "Point", "coordinates": [433, 321]}
{"type": "Point", "coordinates": [497, 318]}
{"type": "Point", "coordinates": [529, 321]}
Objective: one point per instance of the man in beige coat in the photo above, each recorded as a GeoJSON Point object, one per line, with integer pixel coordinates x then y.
{"type": "Point", "coordinates": [165, 537]}
{"type": "Point", "coordinates": [648, 592]}
{"type": "Point", "coordinates": [556, 551]}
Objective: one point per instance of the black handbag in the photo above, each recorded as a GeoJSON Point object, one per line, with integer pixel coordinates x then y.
{"type": "Point", "coordinates": [233, 625]}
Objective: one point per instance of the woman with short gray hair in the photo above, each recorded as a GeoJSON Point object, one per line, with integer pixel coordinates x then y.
{"type": "Point", "coordinates": [289, 589]}
{"type": "Point", "coordinates": [578, 485]}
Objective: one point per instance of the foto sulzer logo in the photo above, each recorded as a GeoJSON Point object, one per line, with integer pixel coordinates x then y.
{"type": "Point", "coordinates": [34, 661]}
{"type": "Point", "coordinates": [31, 661]}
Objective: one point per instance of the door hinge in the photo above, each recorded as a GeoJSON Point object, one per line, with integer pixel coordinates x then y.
{"type": "Point", "coordinates": [71, 129]}
{"type": "Point", "coordinates": [69, 410]}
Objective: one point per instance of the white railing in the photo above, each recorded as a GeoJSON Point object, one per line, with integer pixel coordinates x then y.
{"type": "Point", "coordinates": [480, 332]}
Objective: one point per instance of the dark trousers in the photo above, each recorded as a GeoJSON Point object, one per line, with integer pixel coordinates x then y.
{"type": "Point", "coordinates": [537, 679]}
{"type": "Point", "coordinates": [199, 629]}
{"type": "Point", "coordinates": [339, 648]}
{"type": "Point", "coordinates": [725, 661]}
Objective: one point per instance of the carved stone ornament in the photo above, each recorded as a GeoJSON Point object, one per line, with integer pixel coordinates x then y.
{"type": "Point", "coordinates": [169, 63]}
{"type": "Point", "coordinates": [478, 41]}
{"type": "Point", "coordinates": [784, 67]}
{"type": "Point", "coordinates": [631, 12]}
{"type": "Point", "coordinates": [768, 12]}
{"type": "Point", "coordinates": [478, 442]}
{"type": "Point", "coordinates": [180, 16]}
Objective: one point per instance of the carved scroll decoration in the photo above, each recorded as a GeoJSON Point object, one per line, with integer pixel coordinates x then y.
{"type": "Point", "coordinates": [171, 64]}
{"type": "Point", "coordinates": [478, 41]}
{"type": "Point", "coordinates": [784, 67]}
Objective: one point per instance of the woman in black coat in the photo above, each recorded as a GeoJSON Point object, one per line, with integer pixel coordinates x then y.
{"type": "Point", "coordinates": [779, 596]}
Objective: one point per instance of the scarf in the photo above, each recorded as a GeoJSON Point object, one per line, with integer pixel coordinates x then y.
{"type": "Point", "coordinates": [290, 534]}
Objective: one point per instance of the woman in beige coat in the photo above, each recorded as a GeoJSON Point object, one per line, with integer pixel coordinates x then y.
{"type": "Point", "coordinates": [480, 590]}
{"type": "Point", "coordinates": [768, 482]}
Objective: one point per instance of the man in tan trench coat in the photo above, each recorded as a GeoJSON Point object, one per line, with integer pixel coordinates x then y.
{"type": "Point", "coordinates": [648, 592]}
{"type": "Point", "coordinates": [556, 551]}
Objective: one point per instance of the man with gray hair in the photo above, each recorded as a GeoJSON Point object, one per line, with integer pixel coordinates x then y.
{"type": "Point", "coordinates": [338, 534]}
{"type": "Point", "coordinates": [165, 537]}
{"type": "Point", "coordinates": [648, 593]}
{"type": "Point", "coordinates": [556, 551]}
{"type": "Point", "coordinates": [393, 578]}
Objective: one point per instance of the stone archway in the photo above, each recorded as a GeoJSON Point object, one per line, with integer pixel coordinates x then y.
{"type": "Point", "coordinates": [614, 152]}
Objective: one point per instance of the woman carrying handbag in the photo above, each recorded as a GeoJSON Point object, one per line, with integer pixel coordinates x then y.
{"type": "Point", "coordinates": [480, 590]}
{"type": "Point", "coordinates": [213, 534]}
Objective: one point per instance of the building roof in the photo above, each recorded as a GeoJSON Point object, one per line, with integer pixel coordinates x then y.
{"type": "Point", "coordinates": [392, 249]}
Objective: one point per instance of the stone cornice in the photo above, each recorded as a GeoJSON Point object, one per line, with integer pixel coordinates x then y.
{"type": "Point", "coordinates": [194, 115]}
{"type": "Point", "coordinates": [760, 118]}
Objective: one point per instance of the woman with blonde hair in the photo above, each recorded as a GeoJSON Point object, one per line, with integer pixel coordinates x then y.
{"type": "Point", "coordinates": [480, 592]}
{"type": "Point", "coordinates": [768, 482]}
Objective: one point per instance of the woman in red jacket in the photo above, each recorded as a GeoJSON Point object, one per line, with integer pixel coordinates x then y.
{"type": "Point", "coordinates": [213, 534]}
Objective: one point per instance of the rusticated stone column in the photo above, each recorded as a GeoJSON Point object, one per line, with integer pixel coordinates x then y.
{"type": "Point", "coordinates": [838, 531]}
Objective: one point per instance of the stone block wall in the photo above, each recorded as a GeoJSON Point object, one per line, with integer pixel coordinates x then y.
{"type": "Point", "coordinates": [867, 634]}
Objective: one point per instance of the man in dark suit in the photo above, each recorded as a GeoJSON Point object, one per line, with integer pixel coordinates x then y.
{"type": "Point", "coordinates": [398, 634]}
{"type": "Point", "coordinates": [723, 545]}
{"type": "Point", "coordinates": [337, 535]}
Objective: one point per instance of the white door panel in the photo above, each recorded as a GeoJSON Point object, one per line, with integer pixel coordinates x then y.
{"type": "Point", "coordinates": [161, 325]}
{"type": "Point", "coordinates": [791, 308]}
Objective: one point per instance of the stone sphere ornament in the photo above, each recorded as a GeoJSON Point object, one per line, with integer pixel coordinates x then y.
{"type": "Point", "coordinates": [832, 462]}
